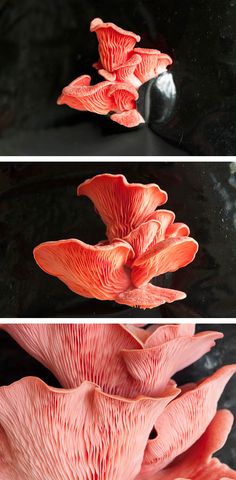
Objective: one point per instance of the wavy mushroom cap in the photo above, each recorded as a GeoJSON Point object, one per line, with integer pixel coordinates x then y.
{"type": "Point", "coordinates": [80, 95]}
{"type": "Point", "coordinates": [82, 433]}
{"type": "Point", "coordinates": [187, 418]}
{"type": "Point", "coordinates": [104, 272]}
{"type": "Point", "coordinates": [153, 62]}
{"type": "Point", "coordinates": [197, 462]}
{"type": "Point", "coordinates": [130, 118]}
{"type": "Point", "coordinates": [142, 243]}
{"type": "Point", "coordinates": [123, 96]}
{"type": "Point", "coordinates": [114, 43]}
{"type": "Point", "coordinates": [158, 362]}
{"type": "Point", "coordinates": [123, 73]}
{"type": "Point", "coordinates": [113, 356]}
{"type": "Point", "coordinates": [119, 63]}
{"type": "Point", "coordinates": [123, 206]}
{"type": "Point", "coordinates": [167, 256]}
{"type": "Point", "coordinates": [103, 98]}
{"type": "Point", "coordinates": [89, 270]}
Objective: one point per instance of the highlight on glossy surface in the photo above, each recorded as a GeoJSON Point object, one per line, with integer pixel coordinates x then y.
{"type": "Point", "coordinates": [54, 434]}
{"type": "Point", "coordinates": [120, 64]}
{"type": "Point", "coordinates": [142, 243]}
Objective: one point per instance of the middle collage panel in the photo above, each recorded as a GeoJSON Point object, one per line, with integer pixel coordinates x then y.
{"type": "Point", "coordinates": [118, 239]}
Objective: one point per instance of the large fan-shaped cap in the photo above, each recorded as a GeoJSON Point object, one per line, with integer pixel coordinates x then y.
{"type": "Point", "coordinates": [114, 43]}
{"type": "Point", "coordinates": [122, 206]}
{"type": "Point", "coordinates": [89, 270]}
{"type": "Point", "coordinates": [55, 434]}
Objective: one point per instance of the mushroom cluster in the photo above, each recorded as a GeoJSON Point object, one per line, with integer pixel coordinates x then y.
{"type": "Point", "coordinates": [141, 243]}
{"type": "Point", "coordinates": [124, 68]}
{"type": "Point", "coordinates": [119, 414]}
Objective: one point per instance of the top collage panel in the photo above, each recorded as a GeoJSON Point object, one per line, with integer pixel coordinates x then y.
{"type": "Point", "coordinates": [127, 78]}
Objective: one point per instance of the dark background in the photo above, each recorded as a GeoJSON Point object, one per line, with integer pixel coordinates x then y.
{"type": "Point", "coordinates": [15, 363]}
{"type": "Point", "coordinates": [38, 203]}
{"type": "Point", "coordinates": [45, 45]}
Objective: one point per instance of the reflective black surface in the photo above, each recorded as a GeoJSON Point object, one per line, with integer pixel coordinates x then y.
{"type": "Point", "coordinates": [38, 203]}
{"type": "Point", "coordinates": [15, 363]}
{"type": "Point", "coordinates": [45, 45]}
{"type": "Point", "coordinates": [204, 72]}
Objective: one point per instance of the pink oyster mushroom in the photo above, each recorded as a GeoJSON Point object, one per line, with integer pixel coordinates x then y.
{"type": "Point", "coordinates": [86, 433]}
{"type": "Point", "coordinates": [142, 243]}
{"type": "Point", "coordinates": [83, 433]}
{"type": "Point", "coordinates": [124, 68]}
{"type": "Point", "coordinates": [102, 98]}
{"type": "Point", "coordinates": [120, 61]}
{"type": "Point", "coordinates": [186, 418]}
{"type": "Point", "coordinates": [114, 43]}
{"type": "Point", "coordinates": [143, 65]}
{"type": "Point", "coordinates": [123, 73]}
{"type": "Point", "coordinates": [115, 357]}
{"type": "Point", "coordinates": [197, 462]}
{"type": "Point", "coordinates": [152, 64]}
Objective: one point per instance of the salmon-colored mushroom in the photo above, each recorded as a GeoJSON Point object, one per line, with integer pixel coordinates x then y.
{"type": "Point", "coordinates": [125, 72]}
{"type": "Point", "coordinates": [88, 433]}
{"type": "Point", "coordinates": [114, 43]}
{"type": "Point", "coordinates": [130, 118]}
{"type": "Point", "coordinates": [197, 462]}
{"type": "Point", "coordinates": [142, 243]}
{"type": "Point", "coordinates": [124, 68]}
{"type": "Point", "coordinates": [89, 270]}
{"type": "Point", "coordinates": [152, 64]}
{"type": "Point", "coordinates": [83, 433]}
{"type": "Point", "coordinates": [114, 356]}
{"type": "Point", "coordinates": [103, 98]}
{"type": "Point", "coordinates": [83, 96]}
{"type": "Point", "coordinates": [123, 206]}
{"type": "Point", "coordinates": [153, 366]}
{"type": "Point", "coordinates": [187, 419]}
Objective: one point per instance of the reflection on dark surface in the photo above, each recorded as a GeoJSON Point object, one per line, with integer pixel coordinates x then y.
{"type": "Point", "coordinates": [38, 203]}
{"type": "Point", "coordinates": [45, 45]}
{"type": "Point", "coordinates": [204, 71]}
{"type": "Point", "coordinates": [20, 364]}
{"type": "Point", "coordinates": [157, 98]}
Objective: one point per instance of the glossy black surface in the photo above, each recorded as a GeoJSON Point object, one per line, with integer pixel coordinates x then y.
{"type": "Point", "coordinates": [15, 363]}
{"type": "Point", "coordinates": [45, 45]}
{"type": "Point", "coordinates": [38, 203]}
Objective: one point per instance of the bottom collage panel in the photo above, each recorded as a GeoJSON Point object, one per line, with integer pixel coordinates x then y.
{"type": "Point", "coordinates": [117, 402]}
